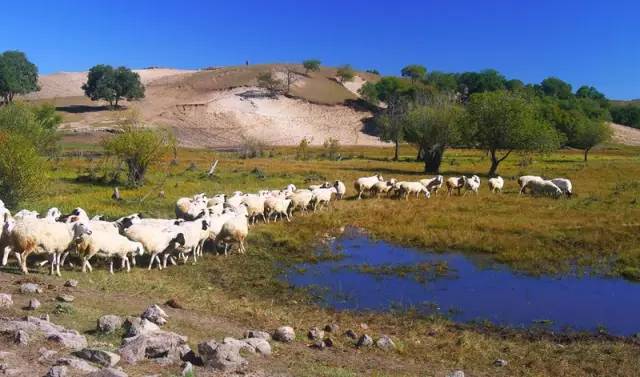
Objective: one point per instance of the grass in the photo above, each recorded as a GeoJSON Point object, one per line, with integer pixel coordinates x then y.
{"type": "Point", "coordinates": [597, 231]}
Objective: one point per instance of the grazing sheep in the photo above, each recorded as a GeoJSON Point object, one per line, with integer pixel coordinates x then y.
{"type": "Point", "coordinates": [523, 180]}
{"type": "Point", "coordinates": [565, 185]}
{"type": "Point", "coordinates": [364, 184]}
{"type": "Point", "coordinates": [454, 183]}
{"type": "Point", "coordinates": [322, 196]}
{"type": "Point", "coordinates": [404, 189]}
{"type": "Point", "coordinates": [433, 184]}
{"type": "Point", "coordinates": [7, 227]}
{"type": "Point", "coordinates": [109, 246]}
{"type": "Point", "coordinates": [382, 187]}
{"type": "Point", "coordinates": [278, 207]}
{"type": "Point", "coordinates": [300, 199]}
{"type": "Point", "coordinates": [543, 188]}
{"type": "Point", "coordinates": [341, 189]}
{"type": "Point", "coordinates": [156, 240]}
{"type": "Point", "coordinates": [471, 184]}
{"type": "Point", "coordinates": [496, 184]}
{"type": "Point", "coordinates": [234, 230]}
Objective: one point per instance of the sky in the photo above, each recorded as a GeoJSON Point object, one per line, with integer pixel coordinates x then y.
{"type": "Point", "coordinates": [582, 42]}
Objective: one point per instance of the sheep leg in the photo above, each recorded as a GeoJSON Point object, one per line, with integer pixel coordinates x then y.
{"type": "Point", "coordinates": [122, 263]}
{"type": "Point", "coordinates": [23, 262]}
{"type": "Point", "coordinates": [153, 257]}
{"type": "Point", "coordinates": [165, 258]}
{"type": "Point", "coordinates": [111, 266]}
{"type": "Point", "coordinates": [5, 255]}
{"type": "Point", "coordinates": [52, 259]}
{"type": "Point", "coordinates": [172, 260]}
{"type": "Point", "coordinates": [127, 263]}
{"type": "Point", "coordinates": [133, 259]}
{"type": "Point", "coordinates": [264, 219]}
{"type": "Point", "coordinates": [58, 257]}
{"type": "Point", "coordinates": [64, 257]}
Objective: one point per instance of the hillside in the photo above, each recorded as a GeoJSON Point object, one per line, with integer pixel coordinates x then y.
{"type": "Point", "coordinates": [222, 107]}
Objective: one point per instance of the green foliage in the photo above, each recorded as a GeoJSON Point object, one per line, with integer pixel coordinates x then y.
{"type": "Point", "coordinates": [487, 80]}
{"type": "Point", "coordinates": [444, 82]}
{"type": "Point", "coordinates": [252, 147]}
{"type": "Point", "coordinates": [590, 133]}
{"type": "Point", "coordinates": [21, 168]}
{"type": "Point", "coordinates": [590, 92]}
{"type": "Point", "coordinates": [628, 114]}
{"type": "Point", "coordinates": [302, 151]}
{"type": "Point", "coordinates": [139, 148]}
{"type": "Point", "coordinates": [17, 75]}
{"type": "Point", "coordinates": [109, 84]}
{"type": "Point", "coordinates": [267, 81]}
{"type": "Point", "coordinates": [373, 71]}
{"type": "Point", "coordinates": [311, 65]}
{"type": "Point", "coordinates": [36, 123]}
{"type": "Point", "coordinates": [514, 85]}
{"type": "Point", "coordinates": [332, 148]}
{"type": "Point", "coordinates": [502, 121]}
{"type": "Point", "coordinates": [554, 87]}
{"type": "Point", "coordinates": [369, 92]}
{"type": "Point", "coordinates": [414, 72]}
{"type": "Point", "coordinates": [345, 73]}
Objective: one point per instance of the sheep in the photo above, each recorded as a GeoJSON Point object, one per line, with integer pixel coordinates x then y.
{"type": "Point", "coordinates": [341, 189]}
{"type": "Point", "coordinates": [277, 206]}
{"type": "Point", "coordinates": [433, 184]}
{"type": "Point", "coordinates": [322, 196]}
{"type": "Point", "coordinates": [255, 207]}
{"type": "Point", "coordinates": [53, 214]}
{"type": "Point", "coordinates": [24, 214]}
{"type": "Point", "coordinates": [290, 188]}
{"type": "Point", "coordinates": [454, 183]}
{"type": "Point", "coordinates": [54, 238]}
{"type": "Point", "coordinates": [7, 227]}
{"type": "Point", "coordinates": [364, 184]}
{"type": "Point", "coordinates": [234, 200]}
{"type": "Point", "coordinates": [323, 185]}
{"type": "Point", "coordinates": [155, 240]}
{"type": "Point", "coordinates": [190, 208]}
{"type": "Point", "coordinates": [234, 230]}
{"type": "Point", "coordinates": [195, 234]}
{"type": "Point", "coordinates": [107, 245]}
{"type": "Point", "coordinates": [383, 187]}
{"type": "Point", "coordinates": [542, 187]}
{"type": "Point", "coordinates": [299, 199]}
{"type": "Point", "coordinates": [404, 189]}
{"type": "Point", "coordinates": [523, 180]}
{"type": "Point", "coordinates": [496, 184]}
{"type": "Point", "coordinates": [471, 184]}
{"type": "Point", "coordinates": [565, 185]}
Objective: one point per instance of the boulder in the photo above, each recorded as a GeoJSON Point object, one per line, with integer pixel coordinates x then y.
{"type": "Point", "coordinates": [57, 371]}
{"type": "Point", "coordinates": [76, 364]}
{"type": "Point", "coordinates": [224, 357]}
{"type": "Point", "coordinates": [365, 341]}
{"type": "Point", "coordinates": [21, 338]}
{"type": "Point", "coordinates": [136, 326]}
{"type": "Point", "coordinates": [155, 314]}
{"type": "Point", "coordinates": [36, 326]}
{"type": "Point", "coordinates": [319, 344]}
{"type": "Point", "coordinates": [457, 373]}
{"type": "Point", "coordinates": [315, 334]}
{"type": "Point", "coordinates": [108, 372]}
{"type": "Point", "coordinates": [100, 357]}
{"type": "Point", "coordinates": [351, 334]}
{"type": "Point", "coordinates": [332, 328]}
{"type": "Point", "coordinates": [71, 283]}
{"type": "Point", "coordinates": [385, 343]}
{"type": "Point", "coordinates": [65, 298]}
{"type": "Point", "coordinates": [33, 304]}
{"type": "Point", "coordinates": [109, 323]}
{"type": "Point", "coordinates": [27, 288]}
{"type": "Point", "coordinates": [5, 300]}
{"type": "Point", "coordinates": [164, 346]}
{"type": "Point", "coordinates": [46, 355]}
{"type": "Point", "coordinates": [500, 363]}
{"type": "Point", "coordinates": [284, 334]}
{"type": "Point", "coordinates": [252, 345]}
{"type": "Point", "coordinates": [257, 334]}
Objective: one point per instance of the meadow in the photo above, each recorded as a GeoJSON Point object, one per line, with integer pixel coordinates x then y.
{"type": "Point", "coordinates": [595, 232]}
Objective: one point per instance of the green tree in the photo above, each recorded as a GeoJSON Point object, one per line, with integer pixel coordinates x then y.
{"type": "Point", "coordinates": [628, 114]}
{"type": "Point", "coordinates": [414, 72]}
{"type": "Point", "coordinates": [17, 75]}
{"type": "Point", "coordinates": [311, 65]}
{"type": "Point", "coordinates": [487, 80]}
{"type": "Point", "coordinates": [345, 73]}
{"type": "Point", "coordinates": [590, 92]}
{"type": "Point", "coordinates": [444, 82]}
{"type": "Point", "coordinates": [501, 122]}
{"type": "Point", "coordinates": [553, 86]}
{"type": "Point", "coordinates": [269, 82]}
{"type": "Point", "coordinates": [21, 169]}
{"type": "Point", "coordinates": [369, 92]}
{"type": "Point", "coordinates": [514, 85]}
{"type": "Point", "coordinates": [590, 133]}
{"type": "Point", "coordinates": [432, 127]}
{"type": "Point", "coordinates": [36, 123]}
{"type": "Point", "coordinates": [112, 85]}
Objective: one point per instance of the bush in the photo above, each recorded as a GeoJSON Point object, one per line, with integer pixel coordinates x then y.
{"type": "Point", "coordinates": [302, 151]}
{"type": "Point", "coordinates": [21, 169]}
{"type": "Point", "coordinates": [332, 148]}
{"type": "Point", "coordinates": [252, 147]}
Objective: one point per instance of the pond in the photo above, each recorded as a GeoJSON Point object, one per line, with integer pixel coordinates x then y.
{"type": "Point", "coordinates": [375, 275]}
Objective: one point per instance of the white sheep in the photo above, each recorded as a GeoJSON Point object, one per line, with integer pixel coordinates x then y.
{"type": "Point", "coordinates": [278, 207]}
{"type": "Point", "coordinates": [255, 207]}
{"type": "Point", "coordinates": [382, 187]}
{"type": "Point", "coordinates": [322, 185]}
{"type": "Point", "coordinates": [300, 199]}
{"type": "Point", "coordinates": [195, 234]}
{"type": "Point", "coordinates": [322, 196]}
{"type": "Point", "coordinates": [433, 184]}
{"type": "Point", "coordinates": [364, 184]}
{"type": "Point", "coordinates": [406, 188]}
{"type": "Point", "coordinates": [565, 185]}
{"type": "Point", "coordinates": [496, 184]}
{"type": "Point", "coordinates": [341, 189]}
{"type": "Point", "coordinates": [155, 240]}
{"type": "Point", "coordinates": [523, 180]}
{"type": "Point", "coordinates": [454, 183]}
{"type": "Point", "coordinates": [471, 184]}
{"type": "Point", "coordinates": [109, 246]}
{"type": "Point", "coordinates": [25, 214]}
{"type": "Point", "coordinates": [544, 188]}
{"type": "Point", "coordinates": [190, 208]}
{"type": "Point", "coordinates": [234, 230]}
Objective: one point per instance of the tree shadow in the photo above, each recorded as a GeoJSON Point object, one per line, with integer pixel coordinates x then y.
{"type": "Point", "coordinates": [80, 109]}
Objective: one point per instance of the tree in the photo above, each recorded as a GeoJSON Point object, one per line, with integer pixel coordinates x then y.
{"type": "Point", "coordinates": [311, 65]}
{"type": "Point", "coordinates": [590, 133]}
{"type": "Point", "coordinates": [21, 168]}
{"type": "Point", "coordinates": [514, 85]}
{"type": "Point", "coordinates": [17, 75]}
{"type": "Point", "coordinates": [553, 86]}
{"type": "Point", "coordinates": [414, 72]}
{"type": "Point", "coordinates": [369, 92]}
{"type": "Point", "coordinates": [432, 127]}
{"type": "Point", "coordinates": [590, 92]}
{"type": "Point", "coordinates": [503, 122]}
{"type": "Point", "coordinates": [345, 73]}
{"type": "Point", "coordinates": [444, 82]}
{"type": "Point", "coordinates": [267, 81]}
{"type": "Point", "coordinates": [112, 85]}
{"type": "Point", "coordinates": [139, 147]}
{"type": "Point", "coordinates": [628, 114]}
{"type": "Point", "coordinates": [38, 124]}
{"type": "Point", "coordinates": [373, 71]}
{"type": "Point", "coordinates": [487, 80]}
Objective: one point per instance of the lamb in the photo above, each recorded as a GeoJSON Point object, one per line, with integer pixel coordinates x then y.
{"type": "Point", "coordinates": [322, 196]}
{"type": "Point", "coordinates": [155, 240]}
{"type": "Point", "coordinates": [471, 184]}
{"type": "Point", "coordinates": [454, 183]}
{"type": "Point", "coordinates": [341, 189]}
{"type": "Point", "coordinates": [106, 245]}
{"type": "Point", "coordinates": [364, 184]}
{"type": "Point", "coordinates": [565, 185]}
{"type": "Point", "coordinates": [300, 199]}
{"type": "Point", "coordinates": [523, 180]}
{"type": "Point", "coordinates": [29, 235]}
{"type": "Point", "coordinates": [277, 206]}
{"type": "Point", "coordinates": [406, 188]}
{"type": "Point", "coordinates": [433, 184]}
{"type": "Point", "coordinates": [255, 207]}
{"type": "Point", "coordinates": [542, 187]}
{"type": "Point", "coordinates": [234, 230]}
{"type": "Point", "coordinates": [496, 184]}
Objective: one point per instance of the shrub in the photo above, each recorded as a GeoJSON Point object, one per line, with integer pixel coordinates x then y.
{"type": "Point", "coordinates": [332, 148]}
{"type": "Point", "coordinates": [21, 169]}
{"type": "Point", "coordinates": [252, 147]}
{"type": "Point", "coordinates": [302, 151]}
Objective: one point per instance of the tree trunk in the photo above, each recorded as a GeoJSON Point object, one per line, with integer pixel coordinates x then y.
{"type": "Point", "coordinates": [420, 155]}
{"type": "Point", "coordinates": [494, 164]}
{"type": "Point", "coordinates": [432, 160]}
{"type": "Point", "coordinates": [397, 148]}
{"type": "Point", "coordinates": [586, 152]}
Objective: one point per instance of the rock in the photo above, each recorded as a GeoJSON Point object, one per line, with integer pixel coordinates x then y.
{"type": "Point", "coordinates": [328, 342]}
{"type": "Point", "coordinates": [284, 334]}
{"type": "Point", "coordinates": [45, 317]}
{"type": "Point", "coordinates": [319, 344]}
{"type": "Point", "coordinates": [315, 334]}
{"type": "Point", "coordinates": [364, 326]}
{"type": "Point", "coordinates": [46, 355]}
{"type": "Point", "coordinates": [457, 373]}
{"type": "Point", "coordinates": [385, 343]}
{"type": "Point", "coordinates": [500, 363]}
{"type": "Point", "coordinates": [109, 323]}
{"type": "Point", "coordinates": [257, 334]}
{"type": "Point", "coordinates": [173, 303]}
{"type": "Point", "coordinates": [71, 283]}
{"type": "Point", "coordinates": [365, 341]}
{"type": "Point", "coordinates": [33, 304]}
{"type": "Point", "coordinates": [77, 364]}
{"type": "Point", "coordinates": [57, 371]}
{"type": "Point", "coordinates": [351, 334]}
{"type": "Point", "coordinates": [5, 300]}
{"type": "Point", "coordinates": [21, 338]}
{"type": "Point", "coordinates": [332, 328]}
{"type": "Point", "coordinates": [259, 345]}
{"type": "Point", "coordinates": [224, 357]}
{"type": "Point", "coordinates": [136, 326]}
{"type": "Point", "coordinates": [100, 357]}
{"type": "Point", "coordinates": [108, 372]}
{"type": "Point", "coordinates": [162, 345]}
{"type": "Point", "coordinates": [65, 298]}
{"type": "Point", "coordinates": [26, 288]}
{"type": "Point", "coordinates": [155, 314]}
{"type": "Point", "coordinates": [6, 355]}
{"type": "Point", "coordinates": [36, 326]}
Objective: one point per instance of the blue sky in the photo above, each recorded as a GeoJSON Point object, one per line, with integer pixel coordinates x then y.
{"type": "Point", "coordinates": [582, 42]}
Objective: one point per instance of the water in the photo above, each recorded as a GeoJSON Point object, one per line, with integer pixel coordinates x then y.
{"type": "Point", "coordinates": [471, 290]}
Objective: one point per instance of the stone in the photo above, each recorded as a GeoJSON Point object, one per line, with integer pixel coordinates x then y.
{"type": "Point", "coordinates": [6, 355]}
{"type": "Point", "coordinates": [76, 364]}
{"type": "Point", "coordinates": [33, 304]}
{"type": "Point", "coordinates": [500, 363]}
{"type": "Point", "coordinates": [365, 341]}
{"type": "Point", "coordinates": [65, 298]}
{"type": "Point", "coordinates": [136, 326]}
{"type": "Point", "coordinates": [385, 343]}
{"type": "Point", "coordinates": [173, 303]}
{"type": "Point", "coordinates": [155, 314]}
{"type": "Point", "coordinates": [21, 338]}
{"type": "Point", "coordinates": [57, 371]}
{"type": "Point", "coordinates": [351, 334]}
{"type": "Point", "coordinates": [71, 283]}
{"type": "Point", "coordinates": [284, 334]}
{"type": "Point", "coordinates": [315, 334]}
{"type": "Point", "coordinates": [100, 357]}
{"type": "Point", "coordinates": [332, 328]}
{"type": "Point", "coordinates": [108, 372]}
{"type": "Point", "coordinates": [5, 300]}
{"type": "Point", "coordinates": [259, 345]}
{"type": "Point", "coordinates": [36, 326]}
{"type": "Point", "coordinates": [161, 345]}
{"type": "Point", "coordinates": [257, 334]}
{"type": "Point", "coordinates": [457, 373]}
{"type": "Point", "coordinates": [26, 288]}
{"type": "Point", "coordinates": [364, 326]}
{"type": "Point", "coordinates": [187, 369]}
{"type": "Point", "coordinates": [319, 344]}
{"type": "Point", "coordinates": [46, 355]}
{"type": "Point", "coordinates": [328, 342]}
{"type": "Point", "coordinates": [109, 323]}
{"type": "Point", "coordinates": [223, 357]}
{"type": "Point", "coordinates": [45, 317]}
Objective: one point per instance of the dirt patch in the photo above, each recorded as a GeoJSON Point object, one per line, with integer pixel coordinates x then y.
{"type": "Point", "coordinates": [625, 135]}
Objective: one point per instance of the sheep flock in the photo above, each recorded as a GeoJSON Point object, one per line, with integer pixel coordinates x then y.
{"type": "Point", "coordinates": [221, 220]}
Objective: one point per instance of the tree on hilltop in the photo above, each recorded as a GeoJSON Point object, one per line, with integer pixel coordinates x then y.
{"type": "Point", "coordinates": [112, 85]}
{"type": "Point", "coordinates": [17, 75]}
{"type": "Point", "coordinates": [311, 65]}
